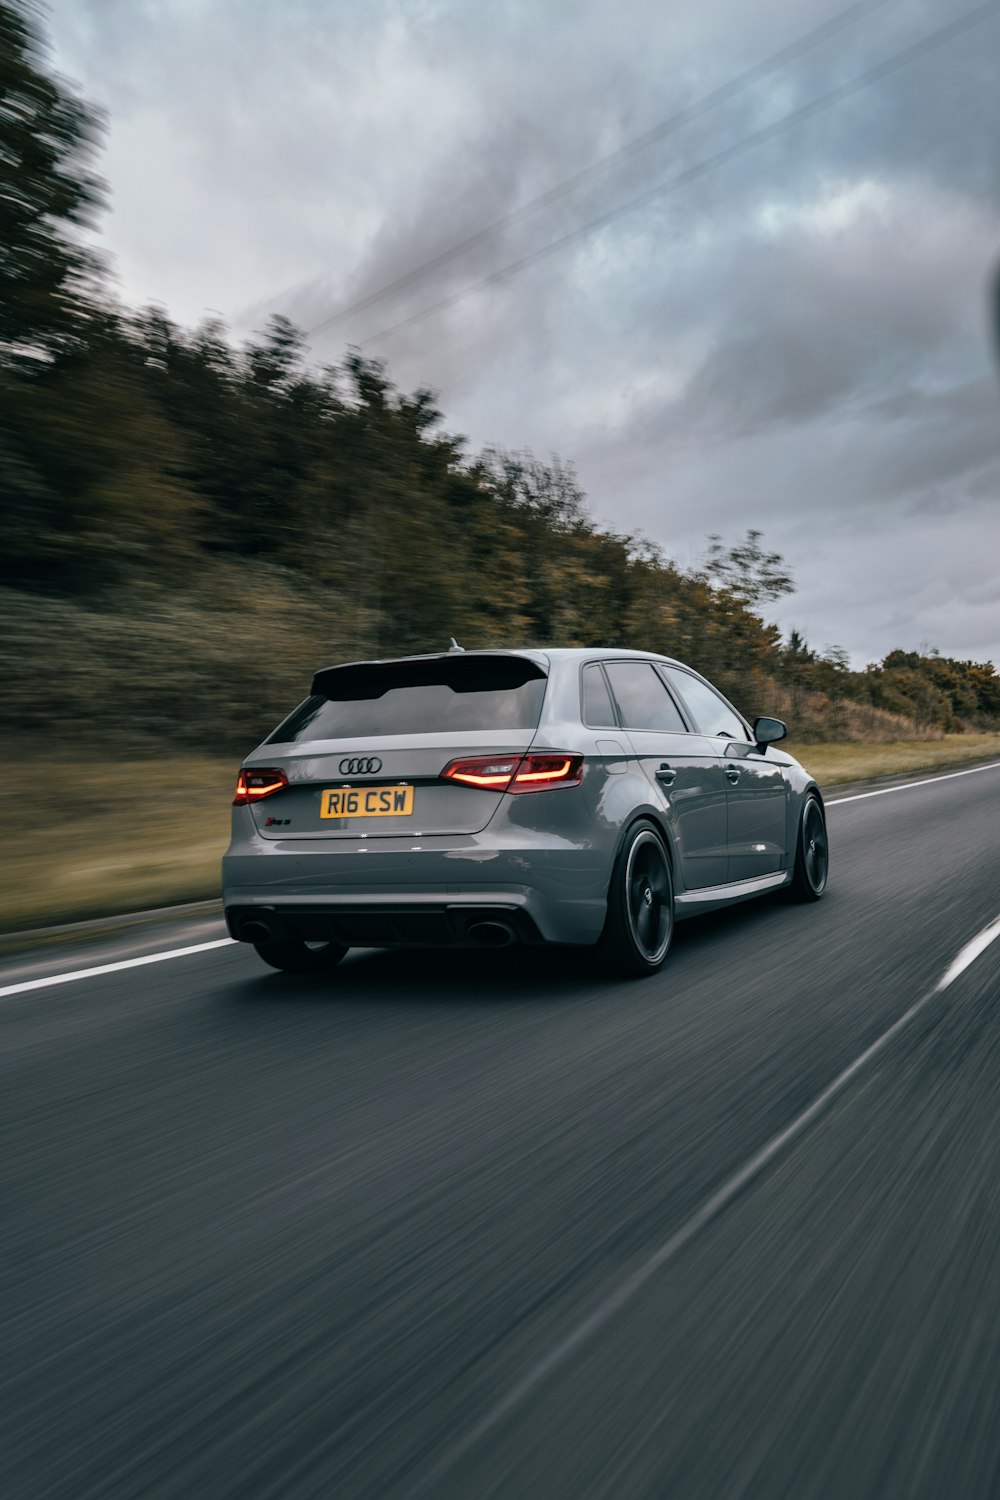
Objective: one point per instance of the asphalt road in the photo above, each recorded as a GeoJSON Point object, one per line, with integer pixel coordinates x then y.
{"type": "Point", "coordinates": [437, 1225]}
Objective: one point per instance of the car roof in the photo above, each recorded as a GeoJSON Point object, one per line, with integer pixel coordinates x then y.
{"type": "Point", "coordinates": [606, 653]}
{"type": "Point", "coordinates": [541, 654]}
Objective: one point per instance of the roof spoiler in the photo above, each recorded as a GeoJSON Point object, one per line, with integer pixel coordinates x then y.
{"type": "Point", "coordinates": [463, 672]}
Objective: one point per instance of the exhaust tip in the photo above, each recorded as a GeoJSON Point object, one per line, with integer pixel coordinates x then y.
{"type": "Point", "coordinates": [491, 934]}
{"type": "Point", "coordinates": [255, 932]}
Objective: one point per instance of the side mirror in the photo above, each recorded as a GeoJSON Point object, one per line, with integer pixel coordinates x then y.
{"type": "Point", "coordinates": [768, 731]}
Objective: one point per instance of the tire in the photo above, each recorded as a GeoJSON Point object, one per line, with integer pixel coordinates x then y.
{"type": "Point", "coordinates": [812, 853]}
{"type": "Point", "coordinates": [297, 957]}
{"type": "Point", "coordinates": [640, 920]}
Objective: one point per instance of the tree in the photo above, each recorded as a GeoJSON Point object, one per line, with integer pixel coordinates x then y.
{"type": "Point", "coordinates": [751, 575]}
{"type": "Point", "coordinates": [48, 140]}
{"type": "Point", "coordinates": [48, 311]}
{"type": "Point", "coordinates": [540, 508]}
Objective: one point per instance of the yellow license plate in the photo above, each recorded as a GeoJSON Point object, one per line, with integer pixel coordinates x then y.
{"type": "Point", "coordinates": [366, 802]}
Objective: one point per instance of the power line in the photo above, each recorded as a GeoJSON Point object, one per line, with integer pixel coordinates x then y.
{"type": "Point", "coordinates": [562, 189]}
{"type": "Point", "coordinates": [890, 65]}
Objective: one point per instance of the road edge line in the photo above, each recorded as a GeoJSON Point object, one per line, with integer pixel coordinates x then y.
{"type": "Point", "coordinates": [114, 968]}
{"type": "Point", "coordinates": [904, 786]}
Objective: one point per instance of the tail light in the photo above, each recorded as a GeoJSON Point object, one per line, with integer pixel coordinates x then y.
{"type": "Point", "coordinates": [254, 784]}
{"type": "Point", "coordinates": [517, 773]}
{"type": "Point", "coordinates": [491, 771]}
{"type": "Point", "coordinates": [554, 768]}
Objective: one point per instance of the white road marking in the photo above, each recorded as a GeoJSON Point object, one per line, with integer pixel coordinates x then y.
{"type": "Point", "coordinates": [708, 1211]}
{"type": "Point", "coordinates": [969, 953]}
{"type": "Point", "coordinates": [124, 963]}
{"type": "Point", "coordinates": [906, 785]}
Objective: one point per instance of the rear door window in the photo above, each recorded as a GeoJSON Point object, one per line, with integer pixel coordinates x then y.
{"type": "Point", "coordinates": [441, 696]}
{"type": "Point", "coordinates": [643, 698]}
{"type": "Point", "coordinates": [710, 712]}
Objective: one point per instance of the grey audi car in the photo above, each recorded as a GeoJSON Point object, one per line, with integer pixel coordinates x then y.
{"type": "Point", "coordinates": [482, 798]}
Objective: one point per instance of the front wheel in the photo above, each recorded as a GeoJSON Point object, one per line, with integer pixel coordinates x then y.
{"type": "Point", "coordinates": [812, 853]}
{"type": "Point", "coordinates": [640, 920]}
{"type": "Point", "coordinates": [297, 957]}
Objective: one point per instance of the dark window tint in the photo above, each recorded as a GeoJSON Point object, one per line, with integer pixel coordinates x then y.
{"type": "Point", "coordinates": [711, 714]}
{"type": "Point", "coordinates": [418, 697]}
{"type": "Point", "coordinates": [642, 697]}
{"type": "Point", "coordinates": [597, 709]}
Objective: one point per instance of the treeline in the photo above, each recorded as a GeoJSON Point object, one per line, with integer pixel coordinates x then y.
{"type": "Point", "coordinates": [188, 528]}
{"type": "Point", "coordinates": [932, 691]}
{"type": "Point", "coordinates": [189, 524]}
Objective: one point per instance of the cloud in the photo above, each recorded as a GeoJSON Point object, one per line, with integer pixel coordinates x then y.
{"type": "Point", "coordinates": [796, 341]}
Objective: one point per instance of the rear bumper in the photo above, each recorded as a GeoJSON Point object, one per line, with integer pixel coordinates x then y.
{"type": "Point", "coordinates": [386, 924]}
{"type": "Point", "coordinates": [396, 894]}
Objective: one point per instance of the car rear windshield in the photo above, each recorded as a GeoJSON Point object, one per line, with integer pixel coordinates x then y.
{"type": "Point", "coordinates": [440, 696]}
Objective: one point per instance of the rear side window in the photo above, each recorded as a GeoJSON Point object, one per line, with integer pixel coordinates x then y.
{"type": "Point", "coordinates": [598, 711]}
{"type": "Point", "coordinates": [643, 698]}
{"type": "Point", "coordinates": [441, 696]}
{"type": "Point", "coordinates": [711, 714]}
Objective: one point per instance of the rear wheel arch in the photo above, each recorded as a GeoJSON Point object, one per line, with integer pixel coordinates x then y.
{"type": "Point", "coordinates": [650, 815]}
{"type": "Point", "coordinates": [668, 843]}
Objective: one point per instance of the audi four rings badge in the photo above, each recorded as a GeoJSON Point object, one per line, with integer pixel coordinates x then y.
{"type": "Point", "coordinates": [360, 765]}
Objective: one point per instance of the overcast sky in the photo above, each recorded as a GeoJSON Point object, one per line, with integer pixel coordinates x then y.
{"type": "Point", "coordinates": [796, 340]}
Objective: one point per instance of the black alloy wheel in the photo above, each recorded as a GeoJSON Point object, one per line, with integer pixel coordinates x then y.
{"type": "Point", "coordinates": [812, 857]}
{"type": "Point", "coordinates": [298, 957]}
{"type": "Point", "coordinates": [640, 921]}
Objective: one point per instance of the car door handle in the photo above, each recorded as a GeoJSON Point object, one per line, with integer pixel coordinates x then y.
{"type": "Point", "coordinates": [733, 774]}
{"type": "Point", "coordinates": [666, 774]}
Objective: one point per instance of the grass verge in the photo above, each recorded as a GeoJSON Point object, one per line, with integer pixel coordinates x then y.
{"type": "Point", "coordinates": [96, 839]}
{"type": "Point", "coordinates": [833, 764]}
{"type": "Point", "coordinates": [117, 836]}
